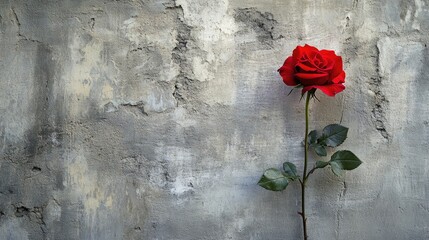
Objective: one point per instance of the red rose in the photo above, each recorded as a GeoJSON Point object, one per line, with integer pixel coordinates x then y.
{"type": "Point", "coordinates": [314, 69]}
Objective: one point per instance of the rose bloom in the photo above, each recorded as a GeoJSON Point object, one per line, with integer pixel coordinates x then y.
{"type": "Point", "coordinates": [314, 69]}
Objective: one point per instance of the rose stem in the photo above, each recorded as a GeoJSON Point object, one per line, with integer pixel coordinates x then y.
{"type": "Point", "coordinates": [304, 219]}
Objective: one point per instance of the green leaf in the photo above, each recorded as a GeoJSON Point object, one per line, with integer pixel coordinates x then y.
{"type": "Point", "coordinates": [320, 150]}
{"type": "Point", "coordinates": [321, 164]}
{"type": "Point", "coordinates": [274, 180]}
{"type": "Point", "coordinates": [312, 137]}
{"type": "Point", "coordinates": [337, 170]}
{"type": "Point", "coordinates": [344, 160]}
{"type": "Point", "coordinates": [290, 170]}
{"type": "Point", "coordinates": [333, 135]}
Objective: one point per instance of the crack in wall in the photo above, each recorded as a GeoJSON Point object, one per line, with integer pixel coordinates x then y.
{"type": "Point", "coordinates": [21, 36]}
{"type": "Point", "coordinates": [338, 214]}
{"type": "Point", "coordinates": [113, 106]}
{"type": "Point", "coordinates": [18, 23]}
{"type": "Point", "coordinates": [352, 49]}
{"type": "Point", "coordinates": [185, 82]}
{"type": "Point", "coordinates": [139, 105]}
{"type": "Point", "coordinates": [34, 214]}
{"type": "Point", "coordinates": [378, 112]}
{"type": "Point", "coordinates": [92, 23]}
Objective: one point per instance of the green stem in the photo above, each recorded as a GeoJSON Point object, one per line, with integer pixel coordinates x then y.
{"type": "Point", "coordinates": [310, 172]}
{"type": "Point", "coordinates": [304, 175]}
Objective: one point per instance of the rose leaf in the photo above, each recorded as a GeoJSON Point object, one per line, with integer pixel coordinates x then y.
{"type": "Point", "coordinates": [333, 135]}
{"type": "Point", "coordinates": [344, 160]}
{"type": "Point", "coordinates": [274, 180]}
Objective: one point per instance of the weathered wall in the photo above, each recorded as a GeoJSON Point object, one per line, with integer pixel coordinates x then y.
{"type": "Point", "coordinates": [154, 119]}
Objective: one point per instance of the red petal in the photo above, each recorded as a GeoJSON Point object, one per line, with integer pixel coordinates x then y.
{"type": "Point", "coordinates": [337, 70]}
{"type": "Point", "coordinates": [309, 79]}
{"type": "Point", "coordinates": [299, 51]}
{"type": "Point", "coordinates": [340, 78]}
{"type": "Point", "coordinates": [306, 67]}
{"type": "Point", "coordinates": [329, 90]}
{"type": "Point", "coordinates": [328, 64]}
{"type": "Point", "coordinates": [287, 72]}
{"type": "Point", "coordinates": [328, 53]}
{"type": "Point", "coordinates": [310, 48]}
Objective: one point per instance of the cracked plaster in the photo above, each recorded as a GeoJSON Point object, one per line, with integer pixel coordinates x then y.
{"type": "Point", "coordinates": [154, 119]}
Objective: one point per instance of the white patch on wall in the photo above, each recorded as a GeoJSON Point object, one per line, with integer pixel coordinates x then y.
{"type": "Point", "coordinates": [52, 212]}
{"type": "Point", "coordinates": [214, 33]}
{"type": "Point", "coordinates": [400, 64]}
{"type": "Point", "coordinates": [84, 185]}
{"type": "Point", "coordinates": [419, 8]}
{"type": "Point", "coordinates": [159, 100]}
{"type": "Point", "coordinates": [130, 27]}
{"type": "Point", "coordinates": [86, 67]}
{"type": "Point", "coordinates": [179, 162]}
{"type": "Point", "coordinates": [181, 117]}
{"type": "Point", "coordinates": [159, 33]}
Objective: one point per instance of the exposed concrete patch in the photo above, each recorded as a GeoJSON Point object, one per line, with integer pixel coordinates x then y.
{"type": "Point", "coordinates": [211, 51]}
{"type": "Point", "coordinates": [262, 23]}
{"type": "Point", "coordinates": [34, 214]}
{"type": "Point", "coordinates": [185, 81]}
{"type": "Point", "coordinates": [156, 172]}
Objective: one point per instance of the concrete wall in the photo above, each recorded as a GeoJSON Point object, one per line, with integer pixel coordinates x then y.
{"type": "Point", "coordinates": [154, 119]}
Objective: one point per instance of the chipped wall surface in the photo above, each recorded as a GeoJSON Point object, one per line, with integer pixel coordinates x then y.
{"type": "Point", "coordinates": [155, 119]}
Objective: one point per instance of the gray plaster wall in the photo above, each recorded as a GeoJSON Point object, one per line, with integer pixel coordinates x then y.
{"type": "Point", "coordinates": [154, 119]}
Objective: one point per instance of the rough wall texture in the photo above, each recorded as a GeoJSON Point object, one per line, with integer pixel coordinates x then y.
{"type": "Point", "coordinates": [154, 119]}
